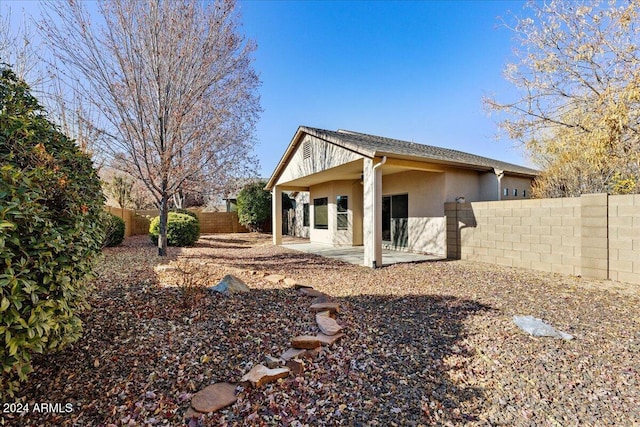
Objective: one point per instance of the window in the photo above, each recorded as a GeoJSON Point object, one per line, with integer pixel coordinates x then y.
{"type": "Point", "coordinates": [505, 192]}
{"type": "Point", "coordinates": [342, 204]}
{"type": "Point", "coordinates": [524, 193]}
{"type": "Point", "coordinates": [305, 214]}
{"type": "Point", "coordinates": [321, 213]}
{"type": "Point", "coordinates": [515, 192]}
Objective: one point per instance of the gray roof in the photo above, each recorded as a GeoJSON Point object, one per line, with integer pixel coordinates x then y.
{"type": "Point", "coordinates": [371, 146]}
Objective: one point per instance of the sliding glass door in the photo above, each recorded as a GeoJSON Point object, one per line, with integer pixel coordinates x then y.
{"type": "Point", "coordinates": [395, 220]}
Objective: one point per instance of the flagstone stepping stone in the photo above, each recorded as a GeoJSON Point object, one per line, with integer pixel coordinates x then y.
{"type": "Point", "coordinates": [328, 339]}
{"type": "Point", "coordinates": [296, 366]}
{"type": "Point", "coordinates": [298, 286]}
{"type": "Point", "coordinates": [322, 299]}
{"type": "Point", "coordinates": [289, 281]}
{"type": "Point", "coordinates": [260, 375]}
{"type": "Point", "coordinates": [291, 353]}
{"type": "Point", "coordinates": [274, 278]}
{"type": "Point", "coordinates": [230, 285]}
{"type": "Point", "coordinates": [305, 341]}
{"type": "Point", "coordinates": [333, 307]}
{"type": "Point", "coordinates": [327, 325]}
{"type": "Point", "coordinates": [310, 292]}
{"type": "Point", "coordinates": [214, 397]}
{"type": "Point", "coordinates": [272, 362]}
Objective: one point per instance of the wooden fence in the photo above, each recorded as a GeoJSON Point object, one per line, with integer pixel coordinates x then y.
{"type": "Point", "coordinates": [137, 222]}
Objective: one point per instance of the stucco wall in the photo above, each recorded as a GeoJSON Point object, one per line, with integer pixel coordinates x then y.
{"type": "Point", "coordinates": [300, 229]}
{"type": "Point", "coordinates": [331, 190]}
{"type": "Point", "coordinates": [320, 156]}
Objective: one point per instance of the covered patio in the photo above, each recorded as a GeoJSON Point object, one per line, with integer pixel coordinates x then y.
{"type": "Point", "coordinates": [355, 254]}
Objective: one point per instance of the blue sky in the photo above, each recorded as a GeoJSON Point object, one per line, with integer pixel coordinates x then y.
{"type": "Point", "coordinates": [412, 70]}
{"type": "Point", "coordinates": [406, 70]}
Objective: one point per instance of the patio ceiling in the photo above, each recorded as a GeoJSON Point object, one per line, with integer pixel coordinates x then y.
{"type": "Point", "coordinates": [353, 171]}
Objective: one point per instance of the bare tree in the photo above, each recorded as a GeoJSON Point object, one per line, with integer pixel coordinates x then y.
{"type": "Point", "coordinates": [578, 75]}
{"type": "Point", "coordinates": [174, 80]}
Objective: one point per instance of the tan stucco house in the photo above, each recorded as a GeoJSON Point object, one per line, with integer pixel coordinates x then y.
{"type": "Point", "coordinates": [381, 192]}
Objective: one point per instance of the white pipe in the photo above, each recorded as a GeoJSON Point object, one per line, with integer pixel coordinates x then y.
{"type": "Point", "coordinates": [384, 160]}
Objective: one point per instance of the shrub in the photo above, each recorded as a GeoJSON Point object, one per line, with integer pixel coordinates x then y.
{"type": "Point", "coordinates": [254, 206]}
{"type": "Point", "coordinates": [51, 233]}
{"type": "Point", "coordinates": [182, 230]}
{"type": "Point", "coordinates": [114, 230]}
{"type": "Point", "coordinates": [185, 212]}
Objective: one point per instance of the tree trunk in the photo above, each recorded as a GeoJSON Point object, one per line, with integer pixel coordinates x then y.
{"type": "Point", "coordinates": [164, 215]}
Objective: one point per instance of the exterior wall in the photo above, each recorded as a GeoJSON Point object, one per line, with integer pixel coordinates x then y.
{"type": "Point", "coordinates": [300, 229]}
{"type": "Point", "coordinates": [522, 185]}
{"type": "Point", "coordinates": [321, 156]}
{"type": "Point", "coordinates": [426, 214]}
{"type": "Point", "coordinates": [332, 235]}
{"type": "Point", "coordinates": [595, 236]}
{"type": "Point", "coordinates": [137, 222]}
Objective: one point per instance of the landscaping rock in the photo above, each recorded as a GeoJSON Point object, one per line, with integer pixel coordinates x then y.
{"type": "Point", "coordinates": [214, 397]}
{"type": "Point", "coordinates": [305, 341]}
{"type": "Point", "coordinates": [192, 413]}
{"type": "Point", "coordinates": [322, 299]}
{"type": "Point", "coordinates": [291, 353]}
{"type": "Point", "coordinates": [230, 285]}
{"type": "Point", "coordinates": [328, 339]}
{"type": "Point", "coordinates": [333, 307]}
{"type": "Point", "coordinates": [272, 362]}
{"type": "Point", "coordinates": [298, 286]}
{"type": "Point", "coordinates": [260, 375]}
{"type": "Point", "coordinates": [274, 278]}
{"type": "Point", "coordinates": [165, 268]}
{"type": "Point", "coordinates": [327, 325]}
{"type": "Point", "coordinates": [289, 281]}
{"type": "Point", "coordinates": [310, 292]}
{"type": "Point", "coordinates": [296, 366]}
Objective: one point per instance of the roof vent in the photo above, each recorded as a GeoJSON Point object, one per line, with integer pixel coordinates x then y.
{"type": "Point", "coordinates": [306, 150]}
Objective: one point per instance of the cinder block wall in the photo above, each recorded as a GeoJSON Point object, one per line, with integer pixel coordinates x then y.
{"type": "Point", "coordinates": [624, 238]}
{"type": "Point", "coordinates": [593, 236]}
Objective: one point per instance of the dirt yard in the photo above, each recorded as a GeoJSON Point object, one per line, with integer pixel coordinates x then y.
{"type": "Point", "coordinates": [425, 344]}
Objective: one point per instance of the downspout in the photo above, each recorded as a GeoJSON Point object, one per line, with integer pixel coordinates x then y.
{"type": "Point", "coordinates": [499, 174]}
{"type": "Point", "coordinates": [376, 220]}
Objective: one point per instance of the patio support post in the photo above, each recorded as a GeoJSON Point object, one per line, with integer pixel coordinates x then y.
{"type": "Point", "coordinates": [372, 221]}
{"type": "Point", "coordinates": [276, 215]}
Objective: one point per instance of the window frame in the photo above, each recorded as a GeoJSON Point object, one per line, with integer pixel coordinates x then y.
{"type": "Point", "coordinates": [305, 214]}
{"type": "Point", "coordinates": [342, 212]}
{"type": "Point", "coordinates": [319, 203]}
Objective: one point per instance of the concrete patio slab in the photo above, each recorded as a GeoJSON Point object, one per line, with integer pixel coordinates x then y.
{"type": "Point", "coordinates": [355, 254]}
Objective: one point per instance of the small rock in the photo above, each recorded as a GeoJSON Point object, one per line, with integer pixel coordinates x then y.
{"type": "Point", "coordinates": [305, 341]}
{"type": "Point", "coordinates": [274, 278]}
{"type": "Point", "coordinates": [333, 307]}
{"type": "Point", "coordinates": [165, 268]}
{"type": "Point", "coordinates": [289, 281]}
{"type": "Point", "coordinates": [260, 375]}
{"type": "Point", "coordinates": [298, 286]}
{"type": "Point", "coordinates": [327, 325]}
{"type": "Point", "coordinates": [272, 362]}
{"type": "Point", "coordinates": [328, 339]}
{"type": "Point", "coordinates": [230, 285]}
{"type": "Point", "coordinates": [214, 397]}
{"type": "Point", "coordinates": [296, 366]}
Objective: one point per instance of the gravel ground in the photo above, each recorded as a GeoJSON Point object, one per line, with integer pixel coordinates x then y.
{"type": "Point", "coordinates": [425, 344]}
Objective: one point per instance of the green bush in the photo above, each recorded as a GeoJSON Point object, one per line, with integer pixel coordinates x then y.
{"type": "Point", "coordinates": [185, 212]}
{"type": "Point", "coordinates": [51, 233]}
{"type": "Point", "coordinates": [182, 230]}
{"type": "Point", "coordinates": [114, 230]}
{"type": "Point", "coordinates": [254, 206]}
